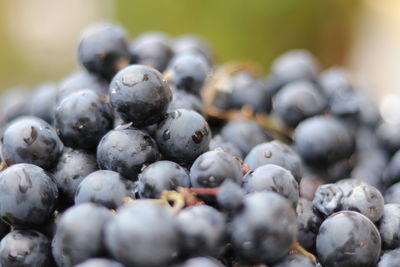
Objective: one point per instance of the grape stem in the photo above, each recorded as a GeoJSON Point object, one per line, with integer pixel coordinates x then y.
{"type": "Point", "coordinates": [219, 84]}
{"type": "Point", "coordinates": [3, 166]}
{"type": "Point", "coordinates": [177, 200]}
{"type": "Point", "coordinates": [298, 249]}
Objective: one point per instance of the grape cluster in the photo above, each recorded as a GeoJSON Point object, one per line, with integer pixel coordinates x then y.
{"type": "Point", "coordinates": [152, 154]}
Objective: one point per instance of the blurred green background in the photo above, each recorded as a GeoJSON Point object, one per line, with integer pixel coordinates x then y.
{"type": "Point", "coordinates": [38, 38]}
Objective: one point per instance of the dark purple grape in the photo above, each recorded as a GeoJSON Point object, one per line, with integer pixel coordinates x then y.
{"type": "Point", "coordinates": [28, 195]}
{"type": "Point", "coordinates": [140, 95]}
{"type": "Point", "coordinates": [278, 153]}
{"type": "Point", "coordinates": [389, 226]}
{"type": "Point", "coordinates": [188, 72]}
{"type": "Point", "coordinates": [80, 234]}
{"type": "Point", "coordinates": [264, 230]}
{"type": "Point", "coordinates": [107, 188]}
{"type": "Point", "coordinates": [295, 65]}
{"type": "Point", "coordinates": [152, 49]}
{"type": "Point", "coordinates": [25, 248]}
{"type": "Point", "coordinates": [31, 140]}
{"type": "Point", "coordinates": [126, 150]}
{"type": "Point", "coordinates": [244, 134]}
{"type": "Point", "coordinates": [99, 262]}
{"type": "Point", "coordinates": [161, 175]}
{"type": "Point", "coordinates": [273, 178]}
{"type": "Point", "coordinates": [212, 168]}
{"type": "Point", "coordinates": [308, 224]}
{"type": "Point", "coordinates": [201, 262]}
{"type": "Point", "coordinates": [318, 147]}
{"type": "Point", "coordinates": [193, 44]}
{"type": "Point", "coordinates": [230, 196]}
{"type": "Point", "coordinates": [82, 118]}
{"type": "Point", "coordinates": [217, 142]}
{"type": "Point", "coordinates": [81, 80]}
{"type": "Point", "coordinates": [183, 136]}
{"type": "Point", "coordinates": [297, 101]}
{"type": "Point", "coordinates": [142, 234]}
{"type": "Point", "coordinates": [43, 101]}
{"type": "Point", "coordinates": [202, 231]}
{"type": "Point", "coordinates": [103, 49]}
{"type": "Point", "coordinates": [348, 239]}
{"type": "Point", "coordinates": [182, 99]}
{"type": "Point", "coordinates": [390, 258]}
{"type": "Point", "coordinates": [72, 167]}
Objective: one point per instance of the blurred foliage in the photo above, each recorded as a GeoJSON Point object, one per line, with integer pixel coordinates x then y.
{"type": "Point", "coordinates": [256, 30]}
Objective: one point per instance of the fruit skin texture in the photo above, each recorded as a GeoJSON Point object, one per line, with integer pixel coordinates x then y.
{"type": "Point", "coordinates": [296, 260]}
{"type": "Point", "coordinates": [72, 167]}
{"type": "Point", "coordinates": [391, 174]}
{"type": "Point", "coordinates": [13, 104]}
{"type": "Point", "coordinates": [350, 194]}
{"type": "Point", "coordinates": [99, 262]}
{"type": "Point", "coordinates": [140, 95]}
{"type": "Point", "coordinates": [28, 195]}
{"type": "Point", "coordinates": [42, 102]}
{"type": "Point", "coordinates": [390, 258]}
{"type": "Point", "coordinates": [348, 238]}
{"type": "Point", "coordinates": [183, 99]}
{"type": "Point", "coordinates": [297, 101]}
{"type": "Point", "coordinates": [389, 226]}
{"type": "Point", "coordinates": [392, 194]}
{"type": "Point", "coordinates": [103, 49]}
{"type": "Point", "coordinates": [126, 150]}
{"type": "Point", "coordinates": [230, 196]}
{"type": "Point", "coordinates": [323, 140]}
{"type": "Point", "coordinates": [327, 199]}
{"type": "Point", "coordinates": [264, 231]}
{"type": "Point", "coordinates": [244, 134]}
{"type": "Point", "coordinates": [83, 118]}
{"type": "Point", "coordinates": [294, 65]}
{"type": "Point", "coordinates": [247, 90]}
{"type": "Point", "coordinates": [388, 136]}
{"type": "Point", "coordinates": [80, 80]}
{"type": "Point", "coordinates": [202, 231]}
{"type": "Point", "coordinates": [25, 248]}
{"type": "Point", "coordinates": [365, 199]}
{"type": "Point", "coordinates": [161, 175]}
{"type": "Point", "coordinates": [146, 231]}
{"type": "Point", "coordinates": [218, 143]}
{"type": "Point", "coordinates": [308, 224]}
{"type": "Point", "coordinates": [183, 136]}
{"type": "Point", "coordinates": [31, 140]}
{"type": "Point", "coordinates": [273, 178]}
{"type": "Point", "coordinates": [188, 72]}
{"type": "Point", "coordinates": [343, 100]}
{"type": "Point", "coordinates": [201, 262]}
{"type": "Point", "coordinates": [193, 44]}
{"type": "Point", "coordinates": [104, 187]}
{"type": "Point", "coordinates": [80, 234]}
{"type": "Point", "coordinates": [278, 153]}
{"type": "Point", "coordinates": [211, 168]}
{"type": "Point", "coordinates": [152, 49]}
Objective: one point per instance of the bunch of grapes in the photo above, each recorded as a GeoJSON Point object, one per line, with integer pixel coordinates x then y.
{"type": "Point", "coordinates": [153, 154]}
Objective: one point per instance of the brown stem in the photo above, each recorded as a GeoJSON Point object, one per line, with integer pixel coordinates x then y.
{"type": "Point", "coordinates": [167, 76]}
{"type": "Point", "coordinates": [298, 249]}
{"type": "Point", "coordinates": [176, 198]}
{"type": "Point", "coordinates": [245, 168]}
{"type": "Point", "coordinates": [205, 191]}
{"type": "Point", "coordinates": [3, 166]}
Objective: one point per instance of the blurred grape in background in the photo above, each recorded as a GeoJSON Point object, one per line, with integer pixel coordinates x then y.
{"type": "Point", "coordinates": [39, 37]}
